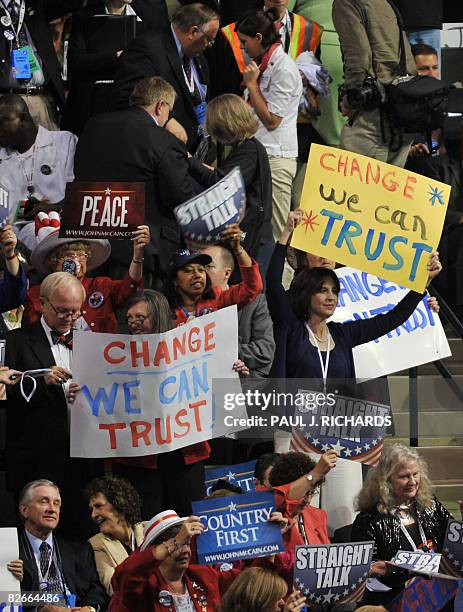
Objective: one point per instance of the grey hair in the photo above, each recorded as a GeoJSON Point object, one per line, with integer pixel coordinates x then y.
{"type": "Point", "coordinates": [55, 280]}
{"type": "Point", "coordinates": [26, 492]}
{"type": "Point", "coordinates": [191, 15]}
{"type": "Point", "coordinates": [377, 491]}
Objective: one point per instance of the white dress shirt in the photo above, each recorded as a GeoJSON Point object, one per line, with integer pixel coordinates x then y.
{"type": "Point", "coordinates": [63, 358]}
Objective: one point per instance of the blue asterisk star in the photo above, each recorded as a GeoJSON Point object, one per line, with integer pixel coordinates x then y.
{"type": "Point", "coordinates": [435, 194]}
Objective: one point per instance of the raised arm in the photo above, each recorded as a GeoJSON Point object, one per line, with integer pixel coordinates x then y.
{"type": "Point", "coordinates": [277, 299]}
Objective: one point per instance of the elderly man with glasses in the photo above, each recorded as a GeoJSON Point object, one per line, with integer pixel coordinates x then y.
{"type": "Point", "coordinates": [176, 55]}
{"type": "Point", "coordinates": [37, 433]}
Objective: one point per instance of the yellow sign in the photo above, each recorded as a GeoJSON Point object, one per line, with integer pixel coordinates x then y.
{"type": "Point", "coordinates": [370, 215]}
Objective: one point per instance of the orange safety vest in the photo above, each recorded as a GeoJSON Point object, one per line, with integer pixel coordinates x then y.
{"type": "Point", "coordinates": [305, 36]}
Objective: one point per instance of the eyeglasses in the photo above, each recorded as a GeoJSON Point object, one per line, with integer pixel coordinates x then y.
{"type": "Point", "coordinates": [210, 39]}
{"type": "Point", "coordinates": [79, 255]}
{"type": "Point", "coordinates": [63, 313]}
{"type": "Point", "coordinates": [137, 319]}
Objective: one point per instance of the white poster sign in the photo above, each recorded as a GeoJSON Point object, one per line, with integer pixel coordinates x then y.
{"type": "Point", "coordinates": [153, 393]}
{"type": "Point", "coordinates": [419, 340]}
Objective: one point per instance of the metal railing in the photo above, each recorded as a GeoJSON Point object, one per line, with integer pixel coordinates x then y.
{"type": "Point", "coordinates": [457, 326]}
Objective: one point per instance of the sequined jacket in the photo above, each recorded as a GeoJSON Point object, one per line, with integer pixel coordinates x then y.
{"type": "Point", "coordinates": [385, 530]}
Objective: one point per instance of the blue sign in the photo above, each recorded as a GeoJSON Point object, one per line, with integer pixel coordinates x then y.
{"type": "Point", "coordinates": [332, 573]}
{"type": "Point", "coordinates": [418, 561]}
{"type": "Point", "coordinates": [4, 206]}
{"type": "Point", "coordinates": [205, 216]}
{"type": "Point", "coordinates": [237, 528]}
{"type": "Point", "coordinates": [240, 475]}
{"type": "Point", "coordinates": [425, 594]}
{"type": "Point", "coordinates": [452, 553]}
{"type": "Point", "coordinates": [354, 428]}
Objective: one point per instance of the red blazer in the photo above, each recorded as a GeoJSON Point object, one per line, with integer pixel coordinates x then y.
{"type": "Point", "coordinates": [315, 520]}
{"type": "Point", "coordinates": [138, 581]}
{"type": "Point", "coordinates": [241, 294]}
{"type": "Point", "coordinates": [104, 297]}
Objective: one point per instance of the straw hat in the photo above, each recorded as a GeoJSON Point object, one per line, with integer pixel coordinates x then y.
{"type": "Point", "coordinates": [158, 524]}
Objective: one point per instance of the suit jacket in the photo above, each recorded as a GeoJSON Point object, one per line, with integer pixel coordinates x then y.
{"type": "Point", "coordinates": [77, 566]}
{"type": "Point", "coordinates": [155, 54]}
{"type": "Point", "coordinates": [109, 553]}
{"type": "Point", "coordinates": [141, 151]}
{"type": "Point", "coordinates": [37, 439]}
{"type": "Point", "coordinates": [85, 99]}
{"type": "Point", "coordinates": [37, 18]}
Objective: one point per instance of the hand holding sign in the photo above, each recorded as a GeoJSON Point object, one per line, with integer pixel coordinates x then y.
{"type": "Point", "coordinates": [8, 240]}
{"type": "Point", "coordinates": [16, 568]}
{"type": "Point", "coordinates": [58, 376]}
{"type": "Point", "coordinates": [295, 602]}
{"type": "Point", "coordinates": [294, 218]}
{"type": "Point", "coordinates": [434, 266]}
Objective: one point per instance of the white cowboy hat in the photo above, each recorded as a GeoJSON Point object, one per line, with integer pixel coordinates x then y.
{"type": "Point", "coordinates": [47, 228]}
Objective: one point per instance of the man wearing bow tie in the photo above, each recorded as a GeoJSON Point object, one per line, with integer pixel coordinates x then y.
{"type": "Point", "coordinates": [37, 435]}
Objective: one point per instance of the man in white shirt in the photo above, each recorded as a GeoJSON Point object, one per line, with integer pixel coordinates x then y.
{"type": "Point", "coordinates": [34, 162]}
{"type": "Point", "coordinates": [37, 439]}
{"type": "Point", "coordinates": [51, 566]}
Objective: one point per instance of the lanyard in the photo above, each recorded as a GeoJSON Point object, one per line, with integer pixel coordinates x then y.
{"type": "Point", "coordinates": [300, 524]}
{"type": "Point", "coordinates": [28, 176]}
{"type": "Point", "coordinates": [22, 11]}
{"type": "Point", "coordinates": [409, 537]}
{"type": "Point", "coordinates": [191, 82]}
{"type": "Point", "coordinates": [323, 366]}
{"type": "Point", "coordinates": [189, 315]}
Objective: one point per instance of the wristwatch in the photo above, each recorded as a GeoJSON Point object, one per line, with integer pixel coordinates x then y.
{"type": "Point", "coordinates": [310, 478]}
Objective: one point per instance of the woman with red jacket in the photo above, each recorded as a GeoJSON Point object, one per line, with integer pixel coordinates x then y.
{"type": "Point", "coordinates": [295, 478]}
{"type": "Point", "coordinates": [188, 288]}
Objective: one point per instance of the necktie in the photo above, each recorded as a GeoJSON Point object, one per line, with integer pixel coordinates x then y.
{"type": "Point", "coordinates": [51, 582]}
{"type": "Point", "coordinates": [58, 338]}
{"type": "Point", "coordinates": [14, 10]}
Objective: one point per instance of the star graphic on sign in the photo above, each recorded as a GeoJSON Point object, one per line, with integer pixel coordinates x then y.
{"type": "Point", "coordinates": [337, 447]}
{"type": "Point", "coordinates": [309, 220]}
{"type": "Point", "coordinates": [297, 581]}
{"type": "Point", "coordinates": [374, 442]}
{"type": "Point", "coordinates": [107, 191]}
{"type": "Point", "coordinates": [450, 556]}
{"type": "Point", "coordinates": [232, 506]}
{"type": "Point", "coordinates": [457, 564]}
{"type": "Point", "coordinates": [347, 452]}
{"type": "Point", "coordinates": [315, 441]}
{"type": "Point", "coordinates": [306, 591]}
{"type": "Point", "coordinates": [231, 476]}
{"type": "Point", "coordinates": [325, 448]}
{"type": "Point", "coordinates": [346, 592]}
{"type": "Point", "coordinates": [366, 446]}
{"type": "Point", "coordinates": [328, 597]}
{"type": "Point", "coordinates": [307, 435]}
{"type": "Point", "coordinates": [357, 450]}
{"type": "Point", "coordinates": [435, 195]}
{"type": "Point", "coordinates": [200, 237]}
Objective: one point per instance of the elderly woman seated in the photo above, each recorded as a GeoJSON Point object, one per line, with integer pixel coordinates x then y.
{"type": "Point", "coordinates": [399, 512]}
{"type": "Point", "coordinates": [115, 507]}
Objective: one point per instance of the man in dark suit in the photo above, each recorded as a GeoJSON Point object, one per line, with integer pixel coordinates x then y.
{"type": "Point", "coordinates": [43, 89]}
{"type": "Point", "coordinates": [174, 54]}
{"type": "Point", "coordinates": [132, 145]}
{"type": "Point", "coordinates": [49, 564]}
{"type": "Point", "coordinates": [37, 431]}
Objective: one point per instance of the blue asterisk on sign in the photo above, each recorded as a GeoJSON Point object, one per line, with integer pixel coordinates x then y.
{"type": "Point", "coordinates": [434, 195]}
